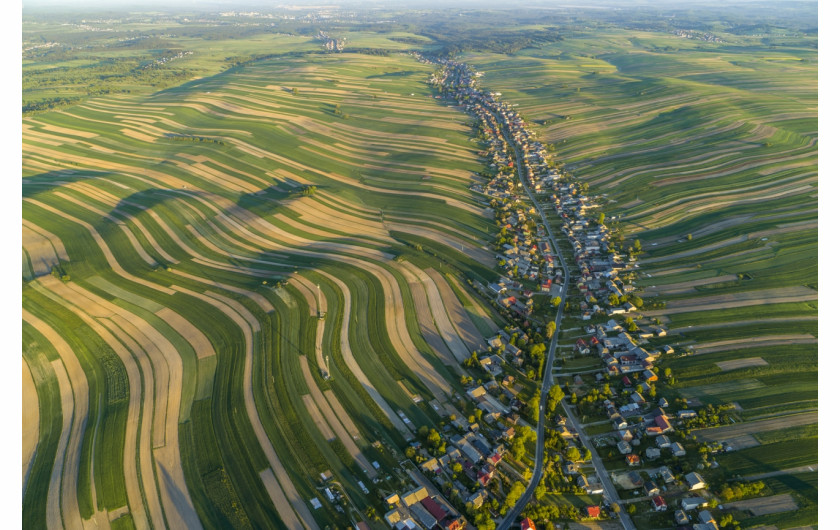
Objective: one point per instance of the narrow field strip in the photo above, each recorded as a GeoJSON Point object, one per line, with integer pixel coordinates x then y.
{"type": "Point", "coordinates": [55, 495]}
{"type": "Point", "coordinates": [426, 321]}
{"type": "Point", "coordinates": [87, 311]}
{"type": "Point", "coordinates": [31, 421]}
{"type": "Point", "coordinates": [73, 385]}
{"type": "Point", "coordinates": [435, 303]}
{"type": "Point", "coordinates": [754, 342]}
{"type": "Point", "coordinates": [317, 417]}
{"type": "Point", "coordinates": [249, 325]}
{"type": "Point", "coordinates": [460, 319]}
{"type": "Point", "coordinates": [753, 427]}
{"type": "Point", "coordinates": [355, 369]}
{"type": "Point", "coordinates": [327, 409]}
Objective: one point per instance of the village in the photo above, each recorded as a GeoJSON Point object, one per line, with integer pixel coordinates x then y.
{"type": "Point", "coordinates": [476, 458]}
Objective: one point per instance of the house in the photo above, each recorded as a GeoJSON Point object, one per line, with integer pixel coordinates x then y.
{"type": "Point", "coordinates": [625, 435]}
{"type": "Point", "coordinates": [570, 468]}
{"type": "Point", "coordinates": [686, 414]}
{"type": "Point", "coordinates": [663, 423]}
{"type": "Point", "coordinates": [663, 403]}
{"type": "Point", "coordinates": [393, 517]}
{"type": "Point", "coordinates": [624, 447]}
{"type": "Point", "coordinates": [666, 474]}
{"type": "Point", "coordinates": [527, 524]}
{"type": "Point", "coordinates": [651, 488]}
{"type": "Point", "coordinates": [630, 408]}
{"type": "Point", "coordinates": [635, 479]}
{"type": "Point", "coordinates": [426, 519]}
{"type": "Point", "coordinates": [652, 453]}
{"type": "Point", "coordinates": [477, 392]}
{"type": "Point", "coordinates": [663, 442]}
{"type": "Point", "coordinates": [707, 518]}
{"type": "Point", "coordinates": [415, 495]}
{"type": "Point", "coordinates": [692, 503]}
{"type": "Point", "coordinates": [650, 377]}
{"type": "Point", "coordinates": [633, 460]}
{"type": "Point", "coordinates": [582, 481]}
{"type": "Point", "coordinates": [694, 481]}
{"type": "Point", "coordinates": [637, 398]}
{"type": "Point", "coordinates": [659, 504]}
{"type": "Point", "coordinates": [677, 449]}
{"type": "Point", "coordinates": [434, 508]}
{"type": "Point", "coordinates": [680, 517]}
{"type": "Point", "coordinates": [593, 511]}
{"type": "Point", "coordinates": [476, 499]}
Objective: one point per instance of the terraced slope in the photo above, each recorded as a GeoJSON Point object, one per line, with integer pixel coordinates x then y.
{"type": "Point", "coordinates": [173, 250]}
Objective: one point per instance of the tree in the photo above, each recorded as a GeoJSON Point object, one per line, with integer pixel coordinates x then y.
{"type": "Point", "coordinates": [556, 301]}
{"type": "Point", "coordinates": [539, 492]}
{"type": "Point", "coordinates": [534, 408]}
{"type": "Point", "coordinates": [516, 491]}
{"type": "Point", "coordinates": [615, 507]}
{"type": "Point", "coordinates": [573, 454]}
{"type": "Point", "coordinates": [637, 246]}
{"type": "Point", "coordinates": [631, 509]}
{"type": "Point", "coordinates": [550, 328]}
{"type": "Point", "coordinates": [587, 455]}
{"type": "Point", "coordinates": [483, 521]}
{"type": "Point", "coordinates": [295, 91]}
{"type": "Point", "coordinates": [601, 218]}
{"type": "Point", "coordinates": [613, 299]}
{"type": "Point", "coordinates": [689, 237]}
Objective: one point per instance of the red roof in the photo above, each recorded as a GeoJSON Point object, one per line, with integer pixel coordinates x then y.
{"type": "Point", "coordinates": [662, 422]}
{"type": "Point", "coordinates": [658, 501]}
{"type": "Point", "coordinates": [433, 508]}
{"type": "Point", "coordinates": [632, 459]}
{"type": "Point", "coordinates": [593, 511]}
{"type": "Point", "coordinates": [527, 524]}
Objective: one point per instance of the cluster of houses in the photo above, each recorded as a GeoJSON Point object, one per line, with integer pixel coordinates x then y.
{"type": "Point", "coordinates": [526, 253]}
{"type": "Point", "coordinates": [417, 509]}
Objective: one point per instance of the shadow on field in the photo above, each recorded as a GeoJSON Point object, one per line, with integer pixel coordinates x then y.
{"type": "Point", "coordinates": [51, 180]}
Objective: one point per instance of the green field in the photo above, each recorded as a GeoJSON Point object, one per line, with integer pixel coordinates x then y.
{"type": "Point", "coordinates": [186, 176]}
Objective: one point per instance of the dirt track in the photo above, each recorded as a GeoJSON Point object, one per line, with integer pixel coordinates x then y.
{"type": "Point", "coordinates": [771, 424]}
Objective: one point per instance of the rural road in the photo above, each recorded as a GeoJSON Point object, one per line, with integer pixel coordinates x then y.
{"type": "Point", "coordinates": [548, 379]}
{"type": "Point", "coordinates": [610, 493]}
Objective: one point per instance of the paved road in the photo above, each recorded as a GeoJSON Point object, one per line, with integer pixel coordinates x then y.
{"type": "Point", "coordinates": [610, 493]}
{"type": "Point", "coordinates": [548, 379]}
